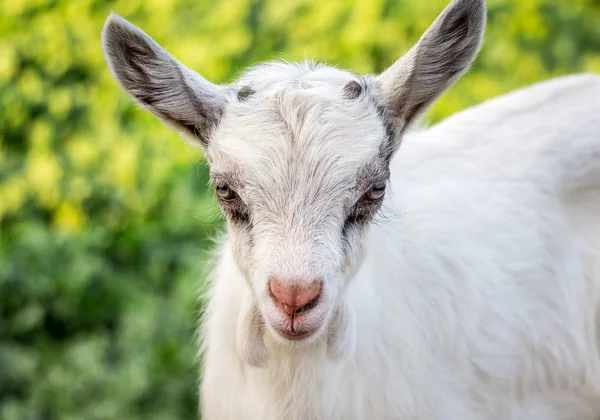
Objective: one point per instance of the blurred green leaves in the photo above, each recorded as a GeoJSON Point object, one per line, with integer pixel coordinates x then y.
{"type": "Point", "coordinates": [105, 215]}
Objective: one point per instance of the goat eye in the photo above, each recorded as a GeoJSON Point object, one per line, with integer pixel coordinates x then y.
{"type": "Point", "coordinates": [375, 192]}
{"type": "Point", "coordinates": [224, 191]}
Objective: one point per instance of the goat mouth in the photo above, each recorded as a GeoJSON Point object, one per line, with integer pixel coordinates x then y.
{"type": "Point", "coordinates": [296, 335]}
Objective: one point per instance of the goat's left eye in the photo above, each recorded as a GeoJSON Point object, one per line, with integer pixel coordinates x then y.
{"type": "Point", "coordinates": [224, 191]}
{"type": "Point", "coordinates": [375, 192]}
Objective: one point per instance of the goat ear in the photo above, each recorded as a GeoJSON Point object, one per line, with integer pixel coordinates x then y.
{"type": "Point", "coordinates": [158, 82]}
{"type": "Point", "coordinates": [441, 56]}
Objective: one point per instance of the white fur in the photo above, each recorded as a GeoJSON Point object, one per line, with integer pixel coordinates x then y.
{"type": "Point", "coordinates": [475, 296]}
{"type": "Point", "coordinates": [479, 298]}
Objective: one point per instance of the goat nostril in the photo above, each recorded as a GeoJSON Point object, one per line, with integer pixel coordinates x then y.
{"type": "Point", "coordinates": [309, 305]}
{"type": "Point", "coordinates": [293, 299]}
{"type": "Point", "coordinates": [290, 310]}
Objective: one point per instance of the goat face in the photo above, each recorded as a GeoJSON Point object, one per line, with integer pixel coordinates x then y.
{"type": "Point", "coordinates": [300, 167]}
{"type": "Point", "coordinates": [299, 155]}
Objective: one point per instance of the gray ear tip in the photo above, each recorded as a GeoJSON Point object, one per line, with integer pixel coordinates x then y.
{"type": "Point", "coordinates": [116, 34]}
{"type": "Point", "coordinates": [115, 19]}
{"type": "Point", "coordinates": [111, 25]}
{"type": "Point", "coordinates": [465, 18]}
{"type": "Point", "coordinates": [114, 25]}
{"type": "Point", "coordinates": [476, 8]}
{"type": "Point", "coordinates": [474, 4]}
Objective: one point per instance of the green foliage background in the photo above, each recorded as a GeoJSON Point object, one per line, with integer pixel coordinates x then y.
{"type": "Point", "coordinates": [105, 213]}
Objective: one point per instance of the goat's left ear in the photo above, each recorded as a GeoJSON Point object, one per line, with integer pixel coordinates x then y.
{"type": "Point", "coordinates": [441, 56]}
{"type": "Point", "coordinates": [158, 82]}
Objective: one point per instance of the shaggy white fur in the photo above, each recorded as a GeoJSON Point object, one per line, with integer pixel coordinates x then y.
{"type": "Point", "coordinates": [471, 292]}
{"type": "Point", "coordinates": [478, 297]}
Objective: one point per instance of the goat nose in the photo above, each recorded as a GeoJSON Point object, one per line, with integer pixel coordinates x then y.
{"type": "Point", "coordinates": [294, 298]}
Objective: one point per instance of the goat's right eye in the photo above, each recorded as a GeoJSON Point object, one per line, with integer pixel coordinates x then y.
{"type": "Point", "coordinates": [224, 191]}
{"type": "Point", "coordinates": [376, 192]}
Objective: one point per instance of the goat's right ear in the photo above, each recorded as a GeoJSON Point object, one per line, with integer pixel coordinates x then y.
{"type": "Point", "coordinates": [158, 82]}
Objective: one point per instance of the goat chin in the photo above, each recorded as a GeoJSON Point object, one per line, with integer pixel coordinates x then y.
{"type": "Point", "coordinates": [341, 335]}
{"type": "Point", "coordinates": [250, 336]}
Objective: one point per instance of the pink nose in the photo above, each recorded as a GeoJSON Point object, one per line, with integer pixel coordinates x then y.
{"type": "Point", "coordinates": [292, 299]}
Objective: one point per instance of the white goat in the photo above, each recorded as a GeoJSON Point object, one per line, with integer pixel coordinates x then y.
{"type": "Point", "coordinates": [479, 297]}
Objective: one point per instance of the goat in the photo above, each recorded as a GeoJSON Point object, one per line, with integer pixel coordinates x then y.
{"type": "Point", "coordinates": [479, 298]}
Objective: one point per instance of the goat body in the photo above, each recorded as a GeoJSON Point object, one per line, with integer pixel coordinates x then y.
{"type": "Point", "coordinates": [478, 296]}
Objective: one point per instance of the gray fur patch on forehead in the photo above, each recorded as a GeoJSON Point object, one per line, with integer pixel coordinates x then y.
{"type": "Point", "coordinates": [353, 89]}
{"type": "Point", "coordinates": [244, 93]}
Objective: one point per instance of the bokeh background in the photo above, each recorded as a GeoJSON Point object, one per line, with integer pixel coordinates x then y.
{"type": "Point", "coordinates": [105, 216]}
